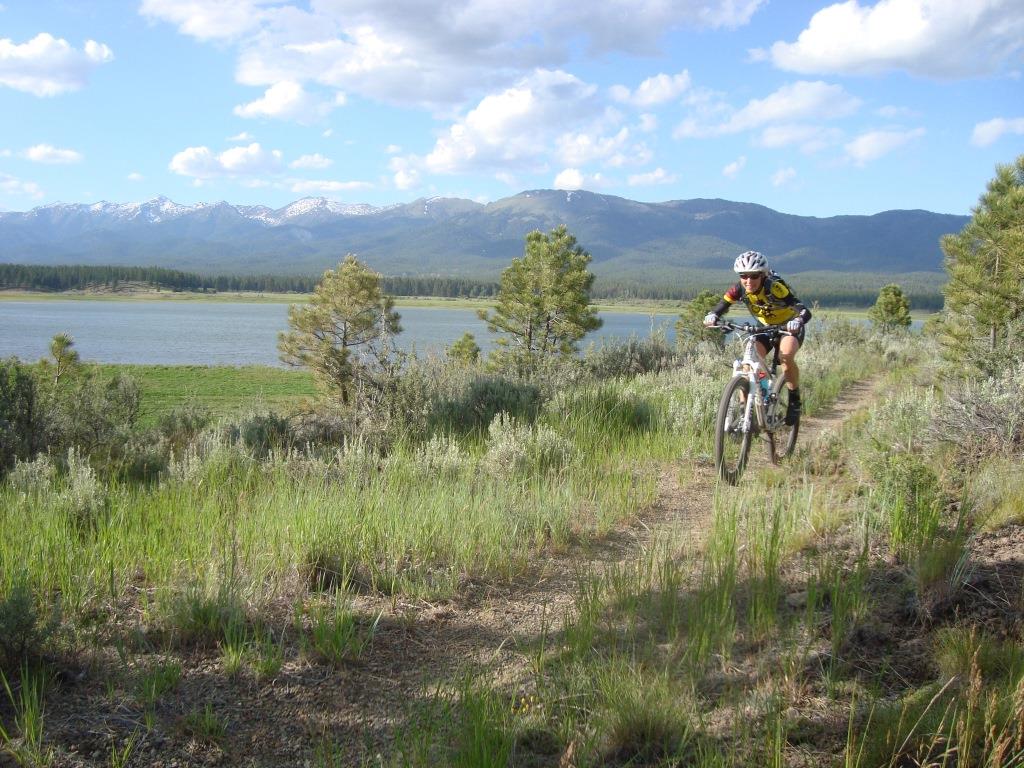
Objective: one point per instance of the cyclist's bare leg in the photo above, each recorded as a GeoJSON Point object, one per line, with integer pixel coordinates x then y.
{"type": "Point", "coordinates": [788, 347]}
{"type": "Point", "coordinates": [764, 351]}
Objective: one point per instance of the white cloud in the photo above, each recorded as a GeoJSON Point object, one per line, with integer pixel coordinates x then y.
{"type": "Point", "coordinates": [48, 66]}
{"type": "Point", "coordinates": [811, 138]}
{"type": "Point", "coordinates": [202, 163]}
{"type": "Point", "coordinates": [286, 100]}
{"type": "Point", "coordinates": [243, 136]}
{"type": "Point", "coordinates": [581, 148]}
{"type": "Point", "coordinates": [304, 187]}
{"type": "Point", "coordinates": [135, 176]}
{"type": "Point", "coordinates": [312, 161]}
{"type": "Point", "coordinates": [44, 153]}
{"type": "Point", "coordinates": [12, 186]}
{"type": "Point", "coordinates": [573, 178]}
{"type": "Point", "coordinates": [992, 130]}
{"type": "Point", "coordinates": [406, 175]}
{"type": "Point", "coordinates": [874, 144]}
{"type": "Point", "coordinates": [431, 52]}
{"type": "Point", "coordinates": [208, 19]}
{"type": "Point", "coordinates": [392, 149]}
{"type": "Point", "coordinates": [515, 126]}
{"type": "Point", "coordinates": [657, 176]}
{"type": "Point", "coordinates": [783, 176]}
{"type": "Point", "coordinates": [654, 90]}
{"type": "Point", "coordinates": [941, 38]}
{"type": "Point", "coordinates": [733, 168]}
{"type": "Point", "coordinates": [328, 133]}
{"type": "Point", "coordinates": [801, 100]}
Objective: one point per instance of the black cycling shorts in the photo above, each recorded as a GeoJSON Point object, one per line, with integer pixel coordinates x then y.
{"type": "Point", "coordinates": [765, 339]}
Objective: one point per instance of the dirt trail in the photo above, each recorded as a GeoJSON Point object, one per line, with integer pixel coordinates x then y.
{"type": "Point", "coordinates": [499, 628]}
{"type": "Point", "coordinates": [417, 647]}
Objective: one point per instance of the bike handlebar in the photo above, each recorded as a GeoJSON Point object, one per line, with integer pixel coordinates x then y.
{"type": "Point", "coordinates": [752, 329]}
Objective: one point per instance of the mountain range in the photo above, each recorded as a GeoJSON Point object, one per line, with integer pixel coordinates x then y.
{"type": "Point", "coordinates": [450, 236]}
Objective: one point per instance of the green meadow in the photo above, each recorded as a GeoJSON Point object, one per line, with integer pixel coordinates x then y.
{"type": "Point", "coordinates": [223, 390]}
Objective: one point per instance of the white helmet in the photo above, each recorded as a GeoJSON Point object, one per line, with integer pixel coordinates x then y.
{"type": "Point", "coordinates": [750, 261]}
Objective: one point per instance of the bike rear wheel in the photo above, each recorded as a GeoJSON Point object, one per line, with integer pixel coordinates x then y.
{"type": "Point", "coordinates": [732, 443]}
{"type": "Point", "coordinates": [782, 440]}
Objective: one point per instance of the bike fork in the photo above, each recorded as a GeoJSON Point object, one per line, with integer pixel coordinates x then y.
{"type": "Point", "coordinates": [747, 408]}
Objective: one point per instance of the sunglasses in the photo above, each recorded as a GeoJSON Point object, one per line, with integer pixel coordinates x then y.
{"type": "Point", "coordinates": [750, 275]}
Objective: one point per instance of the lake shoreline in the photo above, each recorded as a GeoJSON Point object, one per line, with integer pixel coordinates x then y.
{"type": "Point", "coordinates": [425, 302]}
{"type": "Point", "coordinates": [649, 307]}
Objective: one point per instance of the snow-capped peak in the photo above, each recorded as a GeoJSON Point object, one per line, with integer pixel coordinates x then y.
{"type": "Point", "coordinates": [321, 205]}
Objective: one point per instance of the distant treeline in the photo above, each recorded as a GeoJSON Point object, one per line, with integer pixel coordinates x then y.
{"type": "Point", "coordinates": [77, 277]}
{"type": "Point", "coordinates": [830, 289]}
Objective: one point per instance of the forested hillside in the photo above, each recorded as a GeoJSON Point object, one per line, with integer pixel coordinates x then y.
{"type": "Point", "coordinates": [826, 288]}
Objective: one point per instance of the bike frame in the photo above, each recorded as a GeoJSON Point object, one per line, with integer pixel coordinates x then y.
{"type": "Point", "coordinates": [756, 370]}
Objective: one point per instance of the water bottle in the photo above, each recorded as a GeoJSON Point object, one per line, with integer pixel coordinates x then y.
{"type": "Point", "coordinates": [763, 381]}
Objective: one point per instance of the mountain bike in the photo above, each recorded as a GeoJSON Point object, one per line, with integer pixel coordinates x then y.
{"type": "Point", "coordinates": [740, 416]}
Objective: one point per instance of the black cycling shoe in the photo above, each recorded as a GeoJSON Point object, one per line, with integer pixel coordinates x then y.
{"type": "Point", "coordinates": [793, 408]}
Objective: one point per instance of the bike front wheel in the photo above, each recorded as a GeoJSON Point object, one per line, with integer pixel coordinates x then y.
{"type": "Point", "coordinates": [732, 442]}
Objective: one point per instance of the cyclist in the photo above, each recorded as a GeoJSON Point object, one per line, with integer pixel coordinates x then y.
{"type": "Point", "coordinates": [772, 302]}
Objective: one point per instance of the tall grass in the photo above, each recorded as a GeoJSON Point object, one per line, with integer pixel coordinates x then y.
{"type": "Point", "coordinates": [228, 530]}
{"type": "Point", "coordinates": [799, 566]}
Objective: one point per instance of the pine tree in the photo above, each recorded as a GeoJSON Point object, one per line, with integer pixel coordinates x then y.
{"type": "Point", "coordinates": [985, 261]}
{"type": "Point", "coordinates": [65, 358]}
{"type": "Point", "coordinates": [465, 350]}
{"type": "Point", "coordinates": [347, 311]}
{"type": "Point", "coordinates": [892, 310]}
{"type": "Point", "coordinates": [690, 326]}
{"type": "Point", "coordinates": [543, 306]}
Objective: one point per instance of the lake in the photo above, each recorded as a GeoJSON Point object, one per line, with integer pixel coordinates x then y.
{"type": "Point", "coordinates": [213, 333]}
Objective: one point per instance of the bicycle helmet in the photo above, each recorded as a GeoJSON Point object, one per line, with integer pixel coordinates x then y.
{"type": "Point", "coordinates": [750, 261]}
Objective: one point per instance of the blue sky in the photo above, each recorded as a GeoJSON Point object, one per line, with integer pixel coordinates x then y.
{"type": "Point", "coordinates": [806, 107]}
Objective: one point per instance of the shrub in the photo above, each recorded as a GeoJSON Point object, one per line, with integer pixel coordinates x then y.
{"type": "Point", "coordinates": [840, 330]}
{"type": "Point", "coordinates": [94, 415]}
{"type": "Point", "coordinates": [631, 357]}
{"type": "Point", "coordinates": [515, 448]}
{"type": "Point", "coordinates": [261, 433]}
{"type": "Point", "coordinates": [605, 408]}
{"type": "Point", "coordinates": [23, 631]}
{"type": "Point", "coordinates": [84, 496]}
{"type": "Point", "coordinates": [322, 428]}
{"type": "Point", "coordinates": [144, 457]}
{"type": "Point", "coordinates": [33, 477]}
{"type": "Point", "coordinates": [441, 455]}
{"type": "Point", "coordinates": [483, 399]}
{"type": "Point", "coordinates": [182, 424]}
{"type": "Point", "coordinates": [983, 418]}
{"type": "Point", "coordinates": [22, 416]}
